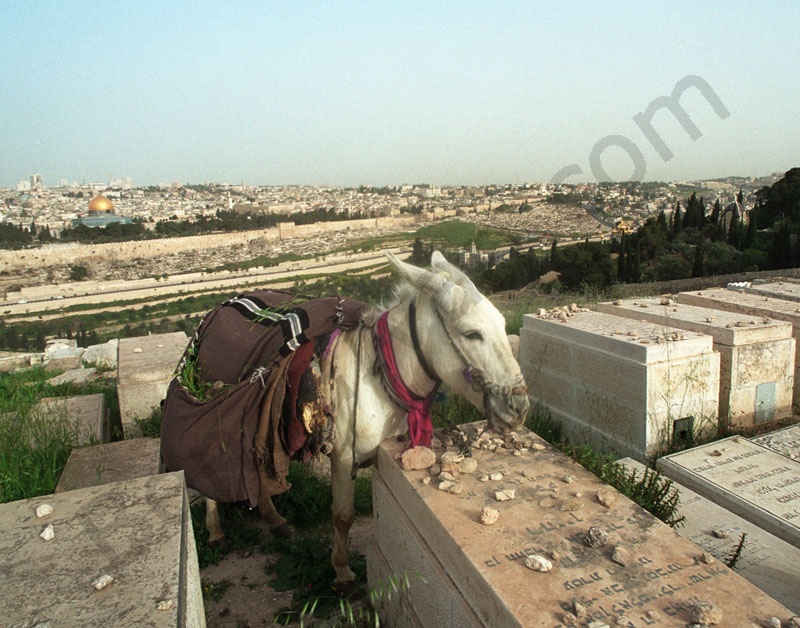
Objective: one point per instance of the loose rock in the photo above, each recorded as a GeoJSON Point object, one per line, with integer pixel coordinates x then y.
{"type": "Point", "coordinates": [446, 485]}
{"type": "Point", "coordinates": [165, 605]}
{"type": "Point", "coordinates": [537, 562]}
{"type": "Point", "coordinates": [706, 613]}
{"type": "Point", "coordinates": [606, 497]}
{"type": "Point", "coordinates": [48, 533]}
{"type": "Point", "coordinates": [772, 622]}
{"type": "Point", "coordinates": [102, 582]}
{"type": "Point", "coordinates": [595, 537]}
{"type": "Point", "coordinates": [43, 510]}
{"type": "Point", "coordinates": [417, 458]}
{"type": "Point", "coordinates": [707, 558]}
{"type": "Point", "coordinates": [720, 533]}
{"type": "Point", "coordinates": [496, 476]}
{"type": "Point", "coordinates": [469, 465]}
{"type": "Point", "coordinates": [489, 516]}
{"type": "Point", "coordinates": [794, 622]}
{"type": "Point", "coordinates": [506, 495]}
{"type": "Point", "coordinates": [621, 556]}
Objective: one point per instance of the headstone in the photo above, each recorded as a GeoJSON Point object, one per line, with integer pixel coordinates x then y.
{"type": "Point", "coordinates": [786, 441]}
{"type": "Point", "coordinates": [77, 376]}
{"type": "Point", "coordinates": [110, 462]}
{"type": "Point", "coordinates": [746, 478]}
{"type": "Point", "coordinates": [135, 536]}
{"type": "Point", "coordinates": [765, 560]}
{"type": "Point", "coordinates": [757, 354]}
{"type": "Point", "coordinates": [102, 355]}
{"type": "Point", "coordinates": [625, 386]}
{"type": "Point", "coordinates": [88, 413]}
{"type": "Point", "coordinates": [145, 367]}
{"type": "Point", "coordinates": [611, 563]}
{"type": "Point", "coordinates": [755, 305]}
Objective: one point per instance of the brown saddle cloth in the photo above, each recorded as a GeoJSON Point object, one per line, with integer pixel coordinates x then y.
{"type": "Point", "coordinates": [248, 353]}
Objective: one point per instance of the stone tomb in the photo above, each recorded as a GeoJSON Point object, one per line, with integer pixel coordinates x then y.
{"type": "Point", "coordinates": [755, 305]}
{"type": "Point", "coordinates": [138, 532]}
{"type": "Point", "coordinates": [748, 479]}
{"type": "Point", "coordinates": [145, 367]}
{"type": "Point", "coordinates": [475, 574]}
{"type": "Point", "coordinates": [756, 354]}
{"type": "Point", "coordinates": [88, 413]}
{"type": "Point", "coordinates": [111, 462]}
{"type": "Point", "coordinates": [765, 560]}
{"type": "Point", "coordinates": [786, 441]}
{"type": "Point", "coordinates": [625, 386]}
{"type": "Point", "coordinates": [778, 289]}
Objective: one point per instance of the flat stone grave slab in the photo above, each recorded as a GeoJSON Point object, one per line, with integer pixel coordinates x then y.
{"type": "Point", "coordinates": [765, 560]}
{"type": "Point", "coordinates": [746, 478]}
{"type": "Point", "coordinates": [145, 366]}
{"type": "Point", "coordinates": [641, 573]}
{"type": "Point", "coordinates": [138, 532]}
{"type": "Point", "coordinates": [785, 441]}
{"type": "Point", "coordinates": [778, 289]}
{"type": "Point", "coordinates": [89, 413]}
{"type": "Point", "coordinates": [110, 462]}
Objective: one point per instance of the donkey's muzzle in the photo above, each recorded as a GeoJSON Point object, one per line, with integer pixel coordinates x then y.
{"type": "Point", "coordinates": [508, 408]}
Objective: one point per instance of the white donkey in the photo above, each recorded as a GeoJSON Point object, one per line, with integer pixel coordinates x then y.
{"type": "Point", "coordinates": [442, 330]}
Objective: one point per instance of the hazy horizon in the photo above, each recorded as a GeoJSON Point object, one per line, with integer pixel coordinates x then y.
{"type": "Point", "coordinates": [380, 94]}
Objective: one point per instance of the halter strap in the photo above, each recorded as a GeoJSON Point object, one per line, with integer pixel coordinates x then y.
{"type": "Point", "coordinates": [412, 324]}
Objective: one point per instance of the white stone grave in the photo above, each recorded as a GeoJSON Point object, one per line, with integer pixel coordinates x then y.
{"type": "Point", "coordinates": [778, 289]}
{"type": "Point", "coordinates": [138, 532]}
{"type": "Point", "coordinates": [145, 366]}
{"type": "Point", "coordinates": [611, 562]}
{"type": "Point", "coordinates": [627, 387]}
{"type": "Point", "coordinates": [765, 560]}
{"type": "Point", "coordinates": [756, 354]}
{"type": "Point", "coordinates": [755, 305]}
{"type": "Point", "coordinates": [746, 478]}
{"type": "Point", "coordinates": [785, 441]}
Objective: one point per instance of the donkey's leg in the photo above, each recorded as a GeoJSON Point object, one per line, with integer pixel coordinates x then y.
{"type": "Point", "coordinates": [266, 509]}
{"type": "Point", "coordinates": [216, 537]}
{"type": "Point", "coordinates": [343, 488]}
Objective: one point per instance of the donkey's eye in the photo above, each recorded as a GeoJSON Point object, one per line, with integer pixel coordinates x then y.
{"type": "Point", "coordinates": [473, 335]}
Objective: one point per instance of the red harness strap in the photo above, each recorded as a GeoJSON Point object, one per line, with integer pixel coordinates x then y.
{"type": "Point", "coordinates": [420, 428]}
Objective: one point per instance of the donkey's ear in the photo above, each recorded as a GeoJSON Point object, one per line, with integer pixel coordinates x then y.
{"type": "Point", "coordinates": [422, 279]}
{"type": "Point", "coordinates": [440, 264]}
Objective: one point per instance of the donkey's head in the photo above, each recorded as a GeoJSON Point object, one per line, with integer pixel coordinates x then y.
{"type": "Point", "coordinates": [463, 341]}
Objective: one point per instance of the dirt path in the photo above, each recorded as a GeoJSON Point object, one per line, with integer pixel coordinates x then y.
{"type": "Point", "coordinates": [237, 591]}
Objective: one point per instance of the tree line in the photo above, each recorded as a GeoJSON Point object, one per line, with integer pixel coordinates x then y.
{"type": "Point", "coordinates": [694, 240]}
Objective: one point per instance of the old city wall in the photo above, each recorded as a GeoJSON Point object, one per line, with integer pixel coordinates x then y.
{"type": "Point", "coordinates": [60, 254]}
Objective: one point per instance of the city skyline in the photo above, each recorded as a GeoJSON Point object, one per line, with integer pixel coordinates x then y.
{"type": "Point", "coordinates": [383, 94]}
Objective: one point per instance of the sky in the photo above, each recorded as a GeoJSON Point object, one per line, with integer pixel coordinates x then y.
{"type": "Point", "coordinates": [384, 93]}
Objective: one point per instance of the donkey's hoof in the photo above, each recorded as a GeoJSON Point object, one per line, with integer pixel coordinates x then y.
{"type": "Point", "coordinates": [344, 588]}
{"type": "Point", "coordinates": [282, 531]}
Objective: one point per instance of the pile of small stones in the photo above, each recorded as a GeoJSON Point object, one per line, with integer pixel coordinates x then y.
{"type": "Point", "coordinates": [561, 313]}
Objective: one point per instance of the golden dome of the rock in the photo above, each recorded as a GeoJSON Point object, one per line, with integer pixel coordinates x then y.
{"type": "Point", "coordinates": [101, 204]}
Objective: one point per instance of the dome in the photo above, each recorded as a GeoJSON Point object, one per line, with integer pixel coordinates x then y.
{"type": "Point", "coordinates": [101, 204]}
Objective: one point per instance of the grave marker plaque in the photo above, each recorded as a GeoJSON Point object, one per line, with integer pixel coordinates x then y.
{"type": "Point", "coordinates": [749, 479]}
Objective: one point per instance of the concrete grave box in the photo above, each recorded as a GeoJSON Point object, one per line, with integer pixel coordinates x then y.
{"type": "Point", "coordinates": [145, 367]}
{"type": "Point", "coordinates": [138, 532]}
{"type": "Point", "coordinates": [627, 387]}
{"type": "Point", "coordinates": [746, 478]}
{"type": "Point", "coordinates": [88, 413]}
{"type": "Point", "coordinates": [110, 462]}
{"type": "Point", "coordinates": [462, 572]}
{"type": "Point", "coordinates": [786, 441]}
{"type": "Point", "coordinates": [786, 290]}
{"type": "Point", "coordinates": [756, 354]}
{"type": "Point", "coordinates": [765, 560]}
{"type": "Point", "coordinates": [755, 305]}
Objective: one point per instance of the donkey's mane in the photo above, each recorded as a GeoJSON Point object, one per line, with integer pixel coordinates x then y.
{"type": "Point", "coordinates": [401, 292]}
